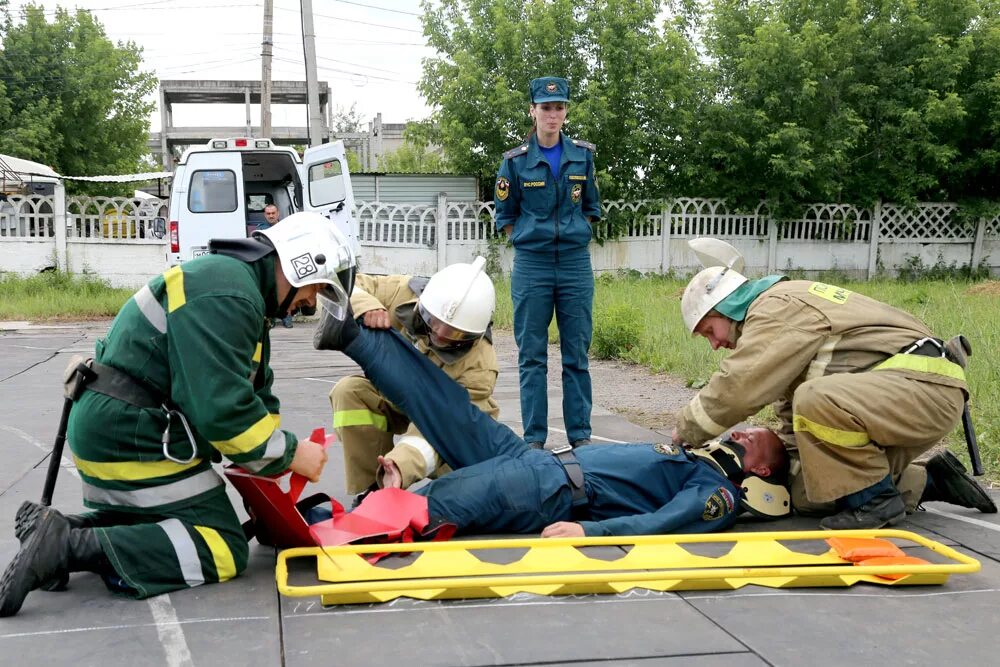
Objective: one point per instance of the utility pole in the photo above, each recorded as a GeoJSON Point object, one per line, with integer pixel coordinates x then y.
{"type": "Point", "coordinates": [265, 70]}
{"type": "Point", "coordinates": [312, 80]}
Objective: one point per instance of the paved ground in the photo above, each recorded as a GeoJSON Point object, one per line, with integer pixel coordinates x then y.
{"type": "Point", "coordinates": [246, 622]}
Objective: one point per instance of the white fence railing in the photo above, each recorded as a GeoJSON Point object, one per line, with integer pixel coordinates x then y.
{"type": "Point", "coordinates": [115, 237]}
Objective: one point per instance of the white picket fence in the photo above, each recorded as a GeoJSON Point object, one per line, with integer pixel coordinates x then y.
{"type": "Point", "coordinates": [115, 237]}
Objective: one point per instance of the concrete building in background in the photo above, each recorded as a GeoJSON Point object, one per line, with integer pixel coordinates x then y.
{"type": "Point", "coordinates": [167, 144]}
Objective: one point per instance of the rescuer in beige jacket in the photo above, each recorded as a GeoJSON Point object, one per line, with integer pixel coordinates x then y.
{"type": "Point", "coordinates": [861, 387]}
{"type": "Point", "coordinates": [447, 318]}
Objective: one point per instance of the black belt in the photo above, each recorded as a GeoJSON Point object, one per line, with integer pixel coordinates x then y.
{"type": "Point", "coordinates": [574, 473]}
{"type": "Point", "coordinates": [118, 384]}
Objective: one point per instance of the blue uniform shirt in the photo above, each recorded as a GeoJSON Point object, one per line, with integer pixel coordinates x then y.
{"type": "Point", "coordinates": [548, 212]}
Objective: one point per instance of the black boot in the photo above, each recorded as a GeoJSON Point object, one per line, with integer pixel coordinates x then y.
{"type": "Point", "coordinates": [948, 482]}
{"type": "Point", "coordinates": [333, 333]}
{"type": "Point", "coordinates": [887, 508]}
{"type": "Point", "coordinates": [24, 523]}
{"type": "Point", "coordinates": [50, 552]}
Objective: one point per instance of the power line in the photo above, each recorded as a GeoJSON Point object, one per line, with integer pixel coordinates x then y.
{"type": "Point", "coordinates": [381, 9]}
{"type": "Point", "coordinates": [340, 18]}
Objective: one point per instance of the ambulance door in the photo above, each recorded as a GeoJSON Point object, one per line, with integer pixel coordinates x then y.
{"type": "Point", "coordinates": [328, 187]}
{"type": "Point", "coordinates": [212, 207]}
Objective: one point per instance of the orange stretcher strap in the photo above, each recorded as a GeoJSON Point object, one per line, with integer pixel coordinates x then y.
{"type": "Point", "coordinates": [857, 549]}
{"type": "Point", "coordinates": [892, 560]}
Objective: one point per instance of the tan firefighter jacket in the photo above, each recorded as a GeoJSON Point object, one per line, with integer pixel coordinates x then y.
{"type": "Point", "coordinates": [796, 331]}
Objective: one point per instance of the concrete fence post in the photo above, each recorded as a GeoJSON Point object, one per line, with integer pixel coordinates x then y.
{"type": "Point", "coordinates": [873, 247]}
{"type": "Point", "coordinates": [442, 231]}
{"type": "Point", "coordinates": [977, 244]}
{"type": "Point", "coordinates": [59, 225]}
{"type": "Point", "coordinates": [772, 243]}
{"type": "Point", "coordinates": [665, 231]}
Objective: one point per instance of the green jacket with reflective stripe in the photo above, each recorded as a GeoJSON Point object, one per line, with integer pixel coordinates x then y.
{"type": "Point", "coordinates": [197, 334]}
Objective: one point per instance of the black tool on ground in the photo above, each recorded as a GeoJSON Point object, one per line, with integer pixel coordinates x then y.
{"type": "Point", "coordinates": [957, 347]}
{"type": "Point", "coordinates": [77, 377]}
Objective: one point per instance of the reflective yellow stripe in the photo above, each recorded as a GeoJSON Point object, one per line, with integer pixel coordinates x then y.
{"type": "Point", "coordinates": [256, 353]}
{"type": "Point", "coordinates": [255, 436]}
{"type": "Point", "coordinates": [277, 420]}
{"type": "Point", "coordinates": [343, 418]}
{"type": "Point", "coordinates": [834, 436]}
{"type": "Point", "coordinates": [174, 280]}
{"type": "Point", "coordinates": [922, 364]}
{"type": "Point", "coordinates": [225, 566]}
{"type": "Point", "coordinates": [131, 470]}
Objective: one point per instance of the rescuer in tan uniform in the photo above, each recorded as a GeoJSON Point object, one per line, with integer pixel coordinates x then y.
{"type": "Point", "coordinates": [863, 388]}
{"type": "Point", "coordinates": [447, 318]}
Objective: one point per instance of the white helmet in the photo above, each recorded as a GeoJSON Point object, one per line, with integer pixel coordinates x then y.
{"type": "Point", "coordinates": [460, 297]}
{"type": "Point", "coordinates": [311, 249]}
{"type": "Point", "coordinates": [713, 284]}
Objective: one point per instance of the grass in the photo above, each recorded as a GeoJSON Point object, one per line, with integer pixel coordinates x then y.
{"type": "Point", "coordinates": [947, 307]}
{"type": "Point", "coordinates": [638, 319]}
{"type": "Point", "coordinates": [57, 295]}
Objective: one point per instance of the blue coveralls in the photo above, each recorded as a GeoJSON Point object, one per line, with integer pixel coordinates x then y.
{"type": "Point", "coordinates": [501, 485]}
{"type": "Point", "coordinates": [552, 270]}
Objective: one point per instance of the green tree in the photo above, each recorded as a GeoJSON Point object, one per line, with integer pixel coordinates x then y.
{"type": "Point", "coordinates": [849, 100]}
{"type": "Point", "coordinates": [634, 84]}
{"type": "Point", "coordinates": [416, 155]}
{"type": "Point", "coordinates": [72, 99]}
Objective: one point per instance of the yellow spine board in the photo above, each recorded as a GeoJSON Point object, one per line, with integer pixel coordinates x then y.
{"type": "Point", "coordinates": [450, 570]}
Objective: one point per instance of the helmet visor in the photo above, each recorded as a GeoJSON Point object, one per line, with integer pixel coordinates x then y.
{"type": "Point", "coordinates": [442, 335]}
{"type": "Point", "coordinates": [334, 300]}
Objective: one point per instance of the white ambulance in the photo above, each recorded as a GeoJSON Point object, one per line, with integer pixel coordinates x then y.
{"type": "Point", "coordinates": [220, 190]}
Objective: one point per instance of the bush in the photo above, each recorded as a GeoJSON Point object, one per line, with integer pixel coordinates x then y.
{"type": "Point", "coordinates": [617, 331]}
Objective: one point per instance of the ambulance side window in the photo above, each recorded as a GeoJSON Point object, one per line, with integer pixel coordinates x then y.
{"type": "Point", "coordinates": [212, 191]}
{"type": "Point", "coordinates": [326, 183]}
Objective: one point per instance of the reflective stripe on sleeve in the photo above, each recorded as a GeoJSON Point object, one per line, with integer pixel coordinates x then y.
{"type": "Point", "coordinates": [257, 353]}
{"type": "Point", "coordinates": [817, 367]}
{"type": "Point", "coordinates": [342, 418]}
{"type": "Point", "coordinates": [921, 364]}
{"type": "Point", "coordinates": [154, 496]}
{"type": "Point", "coordinates": [275, 450]}
{"type": "Point", "coordinates": [834, 436]}
{"type": "Point", "coordinates": [225, 566]}
{"type": "Point", "coordinates": [701, 418]}
{"type": "Point", "coordinates": [151, 308]}
{"type": "Point", "coordinates": [249, 439]}
{"type": "Point", "coordinates": [186, 551]}
{"type": "Point", "coordinates": [173, 278]}
{"type": "Point", "coordinates": [431, 460]}
{"type": "Point", "coordinates": [127, 471]}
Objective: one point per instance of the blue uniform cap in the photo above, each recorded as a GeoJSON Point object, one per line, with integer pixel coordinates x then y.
{"type": "Point", "coordinates": [549, 89]}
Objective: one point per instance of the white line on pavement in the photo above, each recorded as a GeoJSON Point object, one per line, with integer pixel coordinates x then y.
{"type": "Point", "coordinates": [170, 632]}
{"type": "Point", "coordinates": [592, 437]}
{"type": "Point", "coordinates": [64, 463]}
{"type": "Point", "coordinates": [130, 626]}
{"type": "Point", "coordinates": [966, 519]}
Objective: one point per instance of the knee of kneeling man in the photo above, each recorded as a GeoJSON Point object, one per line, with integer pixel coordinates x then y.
{"type": "Point", "coordinates": [807, 396]}
{"type": "Point", "coordinates": [349, 386]}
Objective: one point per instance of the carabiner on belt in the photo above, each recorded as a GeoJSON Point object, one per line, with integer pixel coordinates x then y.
{"type": "Point", "coordinates": [166, 437]}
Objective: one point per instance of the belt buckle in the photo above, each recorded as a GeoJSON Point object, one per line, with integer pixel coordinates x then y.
{"type": "Point", "coordinates": [561, 449]}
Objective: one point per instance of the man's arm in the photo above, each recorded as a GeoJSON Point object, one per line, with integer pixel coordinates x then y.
{"type": "Point", "coordinates": [702, 506]}
{"type": "Point", "coordinates": [591, 195]}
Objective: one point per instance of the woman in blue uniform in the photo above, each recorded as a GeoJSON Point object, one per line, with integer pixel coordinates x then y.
{"type": "Point", "coordinates": [546, 199]}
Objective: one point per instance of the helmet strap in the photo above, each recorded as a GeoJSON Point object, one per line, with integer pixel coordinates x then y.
{"type": "Point", "coordinates": [283, 308]}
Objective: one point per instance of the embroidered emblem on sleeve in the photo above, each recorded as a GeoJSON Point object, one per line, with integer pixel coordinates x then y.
{"type": "Point", "coordinates": [503, 188]}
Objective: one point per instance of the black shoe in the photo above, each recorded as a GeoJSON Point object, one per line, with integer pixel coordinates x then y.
{"type": "Point", "coordinates": [884, 509]}
{"type": "Point", "coordinates": [24, 523]}
{"type": "Point", "coordinates": [582, 442]}
{"type": "Point", "coordinates": [536, 445]}
{"type": "Point", "coordinates": [950, 483]}
{"type": "Point", "coordinates": [44, 556]}
{"type": "Point", "coordinates": [333, 333]}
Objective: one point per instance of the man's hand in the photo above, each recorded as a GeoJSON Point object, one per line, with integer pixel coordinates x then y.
{"type": "Point", "coordinates": [377, 319]}
{"type": "Point", "coordinates": [675, 438]}
{"type": "Point", "coordinates": [310, 457]}
{"type": "Point", "coordinates": [563, 529]}
{"type": "Point", "coordinates": [508, 230]}
{"type": "Point", "coordinates": [389, 477]}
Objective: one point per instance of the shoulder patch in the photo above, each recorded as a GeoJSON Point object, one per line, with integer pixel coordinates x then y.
{"type": "Point", "coordinates": [585, 144]}
{"type": "Point", "coordinates": [514, 152]}
{"type": "Point", "coordinates": [715, 508]}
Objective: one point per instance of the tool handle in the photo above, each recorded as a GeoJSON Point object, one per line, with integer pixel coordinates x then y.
{"type": "Point", "coordinates": [970, 440]}
{"type": "Point", "coordinates": [55, 457]}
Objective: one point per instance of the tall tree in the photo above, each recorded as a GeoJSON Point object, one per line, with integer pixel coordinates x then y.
{"type": "Point", "coordinates": [74, 100]}
{"type": "Point", "coordinates": [634, 84]}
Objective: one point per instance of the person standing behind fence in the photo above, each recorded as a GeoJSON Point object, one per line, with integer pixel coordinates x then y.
{"type": "Point", "coordinates": [546, 199]}
{"type": "Point", "coordinates": [271, 218]}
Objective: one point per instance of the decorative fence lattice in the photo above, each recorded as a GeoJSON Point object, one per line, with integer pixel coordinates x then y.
{"type": "Point", "coordinates": [99, 218]}
{"type": "Point", "coordinates": [925, 222]}
{"type": "Point", "coordinates": [27, 217]}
